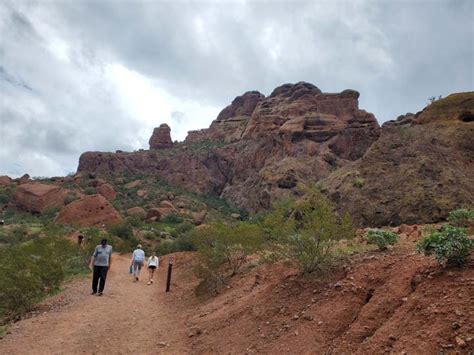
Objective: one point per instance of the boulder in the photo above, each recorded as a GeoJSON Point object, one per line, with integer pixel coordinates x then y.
{"type": "Point", "coordinates": [199, 217]}
{"type": "Point", "coordinates": [5, 180]}
{"type": "Point", "coordinates": [153, 213]}
{"type": "Point", "coordinates": [136, 212]}
{"type": "Point", "coordinates": [107, 190]}
{"type": "Point", "coordinates": [36, 197]}
{"type": "Point", "coordinates": [93, 210]}
{"type": "Point", "coordinates": [133, 184]}
{"type": "Point", "coordinates": [141, 193]}
{"type": "Point", "coordinates": [24, 179]}
{"type": "Point", "coordinates": [161, 137]}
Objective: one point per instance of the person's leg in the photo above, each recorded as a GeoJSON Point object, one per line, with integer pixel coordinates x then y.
{"type": "Point", "coordinates": [95, 278]}
{"type": "Point", "coordinates": [135, 270]}
{"type": "Point", "coordinates": [152, 273]}
{"type": "Point", "coordinates": [103, 277]}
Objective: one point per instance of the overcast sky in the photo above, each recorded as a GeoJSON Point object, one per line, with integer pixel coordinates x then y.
{"type": "Point", "coordinates": [99, 75]}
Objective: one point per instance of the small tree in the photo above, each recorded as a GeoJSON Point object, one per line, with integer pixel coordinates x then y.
{"type": "Point", "coordinates": [223, 249]}
{"type": "Point", "coordinates": [307, 230]}
{"type": "Point", "coordinates": [461, 217]}
{"type": "Point", "coordinates": [451, 245]}
{"type": "Point", "coordinates": [381, 238]}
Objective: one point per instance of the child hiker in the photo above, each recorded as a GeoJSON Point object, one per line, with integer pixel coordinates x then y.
{"type": "Point", "coordinates": [138, 259]}
{"type": "Point", "coordinates": [153, 263]}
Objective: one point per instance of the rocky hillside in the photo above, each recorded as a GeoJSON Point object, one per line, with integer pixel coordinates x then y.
{"type": "Point", "coordinates": [414, 169]}
{"type": "Point", "coordinates": [258, 148]}
{"type": "Point", "coordinates": [420, 168]}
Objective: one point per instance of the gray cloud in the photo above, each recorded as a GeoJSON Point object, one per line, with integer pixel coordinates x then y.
{"type": "Point", "coordinates": [56, 99]}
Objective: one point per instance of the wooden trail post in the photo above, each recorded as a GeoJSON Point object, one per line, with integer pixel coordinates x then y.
{"type": "Point", "coordinates": [170, 269]}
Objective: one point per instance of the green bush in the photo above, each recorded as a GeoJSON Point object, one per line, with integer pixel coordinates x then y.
{"type": "Point", "coordinates": [461, 217]}
{"type": "Point", "coordinates": [124, 231]}
{"type": "Point", "coordinates": [172, 219]}
{"type": "Point", "coordinates": [307, 231]}
{"type": "Point", "coordinates": [90, 190]}
{"type": "Point", "coordinates": [450, 245]}
{"type": "Point", "coordinates": [70, 198]}
{"type": "Point", "coordinates": [223, 250]}
{"type": "Point", "coordinates": [31, 270]}
{"type": "Point", "coordinates": [381, 238]}
{"type": "Point", "coordinates": [358, 182]}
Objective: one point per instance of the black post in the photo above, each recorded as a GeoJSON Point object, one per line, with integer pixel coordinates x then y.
{"type": "Point", "coordinates": [168, 280]}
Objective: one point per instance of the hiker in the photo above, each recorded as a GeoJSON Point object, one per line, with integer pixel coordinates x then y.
{"type": "Point", "coordinates": [101, 260]}
{"type": "Point", "coordinates": [153, 263]}
{"type": "Point", "coordinates": [138, 259]}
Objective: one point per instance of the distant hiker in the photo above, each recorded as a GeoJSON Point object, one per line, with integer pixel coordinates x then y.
{"type": "Point", "coordinates": [138, 259]}
{"type": "Point", "coordinates": [153, 263]}
{"type": "Point", "coordinates": [101, 260]}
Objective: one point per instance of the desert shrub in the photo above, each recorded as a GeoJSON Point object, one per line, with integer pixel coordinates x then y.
{"type": "Point", "coordinates": [451, 245]}
{"type": "Point", "coordinates": [358, 182]}
{"type": "Point", "coordinates": [172, 219]}
{"type": "Point", "coordinates": [223, 250]}
{"type": "Point", "coordinates": [381, 238]}
{"type": "Point", "coordinates": [31, 270]}
{"type": "Point", "coordinates": [461, 217]}
{"type": "Point", "coordinates": [70, 198]}
{"type": "Point", "coordinates": [90, 190]}
{"type": "Point", "coordinates": [182, 229]}
{"type": "Point", "coordinates": [6, 195]}
{"type": "Point", "coordinates": [124, 231]}
{"type": "Point", "coordinates": [307, 231]}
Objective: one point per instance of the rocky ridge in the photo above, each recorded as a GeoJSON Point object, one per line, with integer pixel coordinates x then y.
{"type": "Point", "coordinates": [414, 169]}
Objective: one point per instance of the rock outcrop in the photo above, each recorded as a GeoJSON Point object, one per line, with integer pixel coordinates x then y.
{"type": "Point", "coordinates": [37, 198]}
{"type": "Point", "coordinates": [417, 171]}
{"type": "Point", "coordinates": [93, 210]}
{"type": "Point", "coordinates": [231, 121]}
{"type": "Point", "coordinates": [161, 137]}
{"type": "Point", "coordinates": [107, 190]}
{"type": "Point", "coordinates": [5, 180]}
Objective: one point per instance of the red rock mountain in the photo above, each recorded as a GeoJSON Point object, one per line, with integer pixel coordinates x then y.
{"type": "Point", "coordinates": [259, 148]}
{"type": "Point", "coordinates": [161, 137]}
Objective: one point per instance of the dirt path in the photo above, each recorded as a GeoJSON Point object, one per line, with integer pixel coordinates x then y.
{"type": "Point", "coordinates": [129, 318]}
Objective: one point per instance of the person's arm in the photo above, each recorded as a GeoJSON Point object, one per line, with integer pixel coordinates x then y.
{"type": "Point", "coordinates": [131, 261]}
{"type": "Point", "coordinates": [93, 258]}
{"type": "Point", "coordinates": [110, 258]}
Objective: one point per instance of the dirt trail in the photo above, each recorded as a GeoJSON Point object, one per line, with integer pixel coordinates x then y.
{"type": "Point", "coordinates": [129, 318]}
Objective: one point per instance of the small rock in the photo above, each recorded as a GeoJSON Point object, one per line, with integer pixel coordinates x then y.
{"type": "Point", "coordinates": [308, 317]}
{"type": "Point", "coordinates": [296, 332]}
{"type": "Point", "coordinates": [455, 325]}
{"type": "Point", "coordinates": [337, 285]}
{"type": "Point", "coordinates": [460, 342]}
{"type": "Point", "coordinates": [267, 323]}
{"type": "Point", "coordinates": [404, 299]}
{"type": "Point", "coordinates": [295, 317]}
{"type": "Point", "coordinates": [163, 343]}
{"type": "Point", "coordinates": [392, 337]}
{"type": "Point", "coordinates": [320, 322]}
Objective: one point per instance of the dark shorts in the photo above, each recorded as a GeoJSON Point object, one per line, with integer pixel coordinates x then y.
{"type": "Point", "coordinates": [152, 267]}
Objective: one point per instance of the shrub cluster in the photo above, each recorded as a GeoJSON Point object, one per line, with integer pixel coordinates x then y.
{"type": "Point", "coordinates": [381, 238]}
{"type": "Point", "coordinates": [31, 270]}
{"type": "Point", "coordinates": [307, 231]}
{"type": "Point", "coordinates": [223, 250]}
{"type": "Point", "coordinates": [461, 217]}
{"type": "Point", "coordinates": [451, 245]}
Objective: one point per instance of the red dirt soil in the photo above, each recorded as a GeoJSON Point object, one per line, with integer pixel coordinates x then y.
{"type": "Point", "coordinates": [394, 302]}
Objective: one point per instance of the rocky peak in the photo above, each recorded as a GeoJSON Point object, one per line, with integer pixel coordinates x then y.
{"type": "Point", "coordinates": [241, 106]}
{"type": "Point", "coordinates": [161, 137]}
{"type": "Point", "coordinates": [295, 90]}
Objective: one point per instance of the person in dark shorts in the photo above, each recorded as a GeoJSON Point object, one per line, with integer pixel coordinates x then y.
{"type": "Point", "coordinates": [100, 261]}
{"type": "Point", "coordinates": [153, 263]}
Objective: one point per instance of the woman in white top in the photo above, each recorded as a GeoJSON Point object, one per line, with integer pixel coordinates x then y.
{"type": "Point", "coordinates": [153, 263]}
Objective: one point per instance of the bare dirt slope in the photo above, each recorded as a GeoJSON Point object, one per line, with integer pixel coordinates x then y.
{"type": "Point", "coordinates": [129, 318]}
{"type": "Point", "coordinates": [395, 302]}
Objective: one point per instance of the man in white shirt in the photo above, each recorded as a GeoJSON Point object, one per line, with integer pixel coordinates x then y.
{"type": "Point", "coordinates": [100, 261]}
{"type": "Point", "coordinates": [138, 259]}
